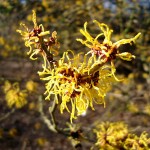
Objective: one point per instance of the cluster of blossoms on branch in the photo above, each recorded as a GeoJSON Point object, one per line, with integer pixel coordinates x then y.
{"type": "Point", "coordinates": [77, 79]}
{"type": "Point", "coordinates": [15, 97]}
{"type": "Point", "coordinates": [116, 136]}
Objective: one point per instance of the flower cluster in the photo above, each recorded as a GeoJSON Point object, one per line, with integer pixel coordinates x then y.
{"type": "Point", "coordinates": [31, 86]}
{"type": "Point", "coordinates": [106, 51]}
{"type": "Point", "coordinates": [79, 80]}
{"type": "Point", "coordinates": [116, 136]}
{"type": "Point", "coordinates": [14, 96]}
{"type": "Point", "coordinates": [39, 41]}
{"type": "Point", "coordinates": [70, 81]}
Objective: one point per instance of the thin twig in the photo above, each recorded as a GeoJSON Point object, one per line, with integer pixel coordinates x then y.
{"type": "Point", "coordinates": [44, 117]}
{"type": "Point", "coordinates": [5, 116]}
{"type": "Point", "coordinates": [51, 111]}
{"type": "Point", "coordinates": [24, 145]}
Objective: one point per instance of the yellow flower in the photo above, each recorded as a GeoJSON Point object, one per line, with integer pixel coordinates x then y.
{"type": "Point", "coordinates": [36, 41]}
{"type": "Point", "coordinates": [14, 96]}
{"type": "Point", "coordinates": [106, 51]}
{"type": "Point", "coordinates": [109, 134]}
{"type": "Point", "coordinates": [41, 141]}
{"type": "Point", "coordinates": [132, 107]}
{"type": "Point", "coordinates": [13, 132]}
{"type": "Point", "coordinates": [40, 42]}
{"type": "Point", "coordinates": [70, 81]}
{"type": "Point", "coordinates": [31, 86]}
{"type": "Point", "coordinates": [116, 136]}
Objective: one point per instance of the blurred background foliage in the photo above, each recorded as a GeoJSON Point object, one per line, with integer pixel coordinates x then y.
{"type": "Point", "coordinates": [125, 17]}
